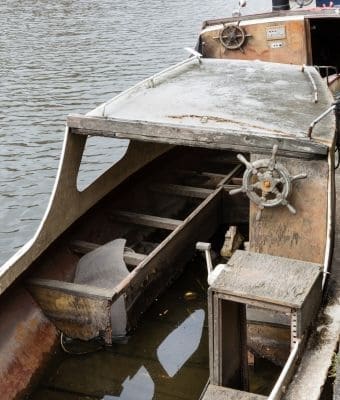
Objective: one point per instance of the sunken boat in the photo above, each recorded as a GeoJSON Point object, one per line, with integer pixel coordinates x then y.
{"type": "Point", "coordinates": [240, 137]}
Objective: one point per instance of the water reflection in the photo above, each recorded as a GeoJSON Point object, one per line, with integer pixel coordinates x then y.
{"type": "Point", "coordinates": [140, 386]}
{"type": "Point", "coordinates": [182, 343]}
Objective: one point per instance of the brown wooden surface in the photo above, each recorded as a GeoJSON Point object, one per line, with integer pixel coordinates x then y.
{"type": "Point", "coordinates": [27, 339]}
{"type": "Point", "coordinates": [77, 310]}
{"type": "Point", "coordinates": [257, 47]}
{"type": "Point", "coordinates": [302, 236]}
{"type": "Point", "coordinates": [168, 259]}
{"type": "Point", "coordinates": [220, 393]}
{"type": "Point", "coordinates": [191, 136]}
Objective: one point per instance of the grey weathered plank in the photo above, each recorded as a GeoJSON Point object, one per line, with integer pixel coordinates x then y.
{"type": "Point", "coordinates": [82, 247]}
{"type": "Point", "coordinates": [182, 190]}
{"type": "Point", "coordinates": [193, 136]}
{"type": "Point", "coordinates": [228, 177]}
{"type": "Point", "coordinates": [268, 279]}
{"type": "Point", "coordinates": [221, 393]}
{"type": "Point", "coordinates": [146, 220]}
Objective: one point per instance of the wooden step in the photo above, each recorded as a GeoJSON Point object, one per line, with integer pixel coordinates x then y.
{"type": "Point", "coordinates": [146, 220]}
{"type": "Point", "coordinates": [181, 190]}
{"type": "Point", "coordinates": [222, 393]}
{"type": "Point", "coordinates": [130, 258]}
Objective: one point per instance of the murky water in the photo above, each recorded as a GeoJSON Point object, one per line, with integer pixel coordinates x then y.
{"type": "Point", "coordinates": [67, 56]}
{"type": "Point", "coordinates": [166, 358]}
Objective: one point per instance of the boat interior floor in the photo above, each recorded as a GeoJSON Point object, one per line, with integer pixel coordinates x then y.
{"type": "Point", "coordinates": [161, 212]}
{"type": "Point", "coordinates": [165, 358]}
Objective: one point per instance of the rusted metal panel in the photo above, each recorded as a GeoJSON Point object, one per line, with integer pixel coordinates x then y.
{"type": "Point", "coordinates": [77, 310]}
{"type": "Point", "coordinates": [27, 338]}
{"type": "Point", "coordinates": [302, 236]}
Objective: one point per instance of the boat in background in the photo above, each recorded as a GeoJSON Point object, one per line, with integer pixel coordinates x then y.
{"type": "Point", "coordinates": [260, 85]}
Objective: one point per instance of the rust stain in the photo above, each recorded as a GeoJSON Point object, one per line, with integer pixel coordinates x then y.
{"type": "Point", "coordinates": [27, 338]}
{"type": "Point", "coordinates": [226, 120]}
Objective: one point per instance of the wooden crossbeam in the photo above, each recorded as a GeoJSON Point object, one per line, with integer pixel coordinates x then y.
{"type": "Point", "coordinates": [198, 136]}
{"type": "Point", "coordinates": [130, 257]}
{"type": "Point", "coordinates": [230, 176]}
{"type": "Point", "coordinates": [182, 190]}
{"type": "Point", "coordinates": [146, 220]}
{"type": "Point", "coordinates": [207, 174]}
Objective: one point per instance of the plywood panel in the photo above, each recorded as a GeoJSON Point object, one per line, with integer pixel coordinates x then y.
{"type": "Point", "coordinates": [291, 49]}
{"type": "Point", "coordinates": [301, 236]}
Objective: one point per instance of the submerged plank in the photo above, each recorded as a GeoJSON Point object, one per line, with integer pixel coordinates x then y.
{"type": "Point", "coordinates": [105, 373]}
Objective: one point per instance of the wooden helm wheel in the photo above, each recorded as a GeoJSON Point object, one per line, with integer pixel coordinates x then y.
{"type": "Point", "coordinates": [267, 183]}
{"type": "Point", "coordinates": [232, 37]}
{"type": "Point", "coordinates": [303, 3]}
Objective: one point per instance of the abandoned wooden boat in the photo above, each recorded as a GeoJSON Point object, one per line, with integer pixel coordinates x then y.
{"type": "Point", "coordinates": [181, 179]}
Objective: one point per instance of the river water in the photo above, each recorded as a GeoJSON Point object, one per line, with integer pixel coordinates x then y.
{"type": "Point", "coordinates": [67, 56]}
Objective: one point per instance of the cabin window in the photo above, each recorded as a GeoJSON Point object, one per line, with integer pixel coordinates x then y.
{"type": "Point", "coordinates": [325, 37]}
{"type": "Point", "coordinates": [99, 155]}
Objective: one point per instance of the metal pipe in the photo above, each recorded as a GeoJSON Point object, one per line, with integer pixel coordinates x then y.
{"type": "Point", "coordinates": [317, 120]}
{"type": "Point", "coordinates": [277, 391]}
{"type": "Point", "coordinates": [304, 69]}
{"type": "Point", "coordinates": [205, 247]}
{"type": "Point", "coordinates": [330, 218]}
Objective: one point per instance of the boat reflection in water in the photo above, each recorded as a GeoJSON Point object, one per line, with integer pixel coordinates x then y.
{"type": "Point", "coordinates": [140, 386]}
{"type": "Point", "coordinates": [165, 358]}
{"type": "Point", "coordinates": [172, 353]}
{"type": "Point", "coordinates": [180, 345]}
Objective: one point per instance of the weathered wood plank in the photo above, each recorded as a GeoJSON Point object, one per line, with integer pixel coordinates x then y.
{"type": "Point", "coordinates": [82, 247]}
{"type": "Point", "coordinates": [146, 220]}
{"type": "Point", "coordinates": [221, 393]}
{"type": "Point", "coordinates": [228, 177]}
{"type": "Point", "coordinates": [194, 136]}
{"type": "Point", "coordinates": [182, 190]}
{"type": "Point", "coordinates": [212, 175]}
{"type": "Point", "coordinates": [167, 261]}
{"type": "Point", "coordinates": [268, 279]}
{"type": "Point", "coordinates": [71, 288]}
{"type": "Point", "coordinates": [80, 311]}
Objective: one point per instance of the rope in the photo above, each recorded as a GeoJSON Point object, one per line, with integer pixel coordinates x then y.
{"type": "Point", "coordinates": [74, 353]}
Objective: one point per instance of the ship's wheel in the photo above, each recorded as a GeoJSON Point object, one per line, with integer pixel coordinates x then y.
{"type": "Point", "coordinates": [233, 37]}
{"type": "Point", "coordinates": [303, 3]}
{"type": "Point", "coordinates": [267, 183]}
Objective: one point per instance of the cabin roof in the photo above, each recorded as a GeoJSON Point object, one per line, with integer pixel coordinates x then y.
{"type": "Point", "coordinates": [308, 13]}
{"type": "Point", "coordinates": [223, 102]}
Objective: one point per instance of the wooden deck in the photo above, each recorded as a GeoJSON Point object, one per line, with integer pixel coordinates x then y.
{"type": "Point", "coordinates": [200, 112]}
